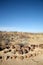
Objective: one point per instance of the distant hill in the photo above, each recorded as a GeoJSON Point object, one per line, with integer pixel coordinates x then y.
{"type": "Point", "coordinates": [21, 37]}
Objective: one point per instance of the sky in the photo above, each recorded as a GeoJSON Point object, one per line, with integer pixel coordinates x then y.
{"type": "Point", "coordinates": [21, 15]}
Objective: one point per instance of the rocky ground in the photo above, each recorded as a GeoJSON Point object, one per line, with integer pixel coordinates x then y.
{"type": "Point", "coordinates": [21, 48]}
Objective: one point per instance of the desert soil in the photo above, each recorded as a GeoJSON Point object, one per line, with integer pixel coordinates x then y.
{"type": "Point", "coordinates": [21, 48]}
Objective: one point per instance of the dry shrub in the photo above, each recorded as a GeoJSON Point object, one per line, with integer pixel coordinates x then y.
{"type": "Point", "coordinates": [41, 46]}
{"type": "Point", "coordinates": [21, 57]}
{"type": "Point", "coordinates": [0, 57]}
{"type": "Point", "coordinates": [7, 57]}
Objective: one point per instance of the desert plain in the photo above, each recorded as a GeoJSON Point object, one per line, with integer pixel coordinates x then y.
{"type": "Point", "coordinates": [21, 48]}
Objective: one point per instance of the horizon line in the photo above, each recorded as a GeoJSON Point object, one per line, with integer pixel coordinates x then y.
{"type": "Point", "coordinates": [16, 29]}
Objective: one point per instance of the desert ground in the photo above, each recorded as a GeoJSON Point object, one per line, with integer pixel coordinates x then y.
{"type": "Point", "coordinates": [21, 48]}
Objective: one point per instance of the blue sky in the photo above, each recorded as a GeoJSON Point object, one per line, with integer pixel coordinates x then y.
{"type": "Point", "coordinates": [21, 15]}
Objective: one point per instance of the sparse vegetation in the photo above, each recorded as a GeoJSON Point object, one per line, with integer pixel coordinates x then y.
{"type": "Point", "coordinates": [15, 45]}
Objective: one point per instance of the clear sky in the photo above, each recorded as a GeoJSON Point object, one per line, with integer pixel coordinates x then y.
{"type": "Point", "coordinates": [21, 15]}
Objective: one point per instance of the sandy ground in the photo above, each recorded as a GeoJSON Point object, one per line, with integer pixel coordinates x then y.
{"type": "Point", "coordinates": [38, 60]}
{"type": "Point", "coordinates": [9, 39]}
